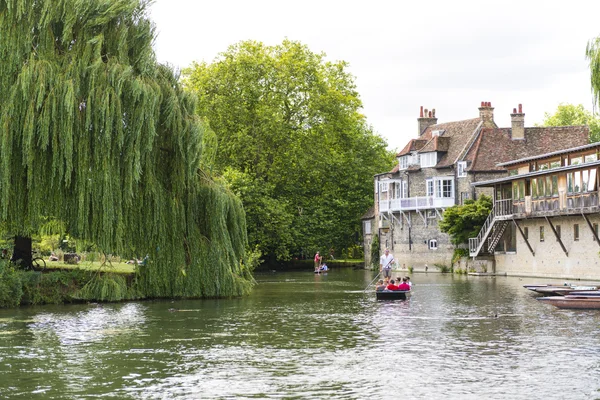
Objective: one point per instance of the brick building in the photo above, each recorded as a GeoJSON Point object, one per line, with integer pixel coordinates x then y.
{"type": "Point", "coordinates": [437, 170]}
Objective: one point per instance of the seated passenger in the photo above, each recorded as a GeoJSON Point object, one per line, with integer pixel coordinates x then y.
{"type": "Point", "coordinates": [392, 285]}
{"type": "Point", "coordinates": [380, 287]}
{"type": "Point", "coordinates": [404, 285]}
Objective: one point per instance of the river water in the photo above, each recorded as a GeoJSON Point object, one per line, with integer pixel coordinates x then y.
{"type": "Point", "coordinates": [301, 335]}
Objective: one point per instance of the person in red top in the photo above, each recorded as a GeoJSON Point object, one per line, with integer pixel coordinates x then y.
{"type": "Point", "coordinates": [404, 285]}
{"type": "Point", "coordinates": [317, 261]}
{"type": "Point", "coordinates": [392, 285]}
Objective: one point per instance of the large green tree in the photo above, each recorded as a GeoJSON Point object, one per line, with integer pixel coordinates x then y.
{"type": "Point", "coordinates": [99, 135]}
{"type": "Point", "coordinates": [570, 114]}
{"type": "Point", "coordinates": [292, 142]}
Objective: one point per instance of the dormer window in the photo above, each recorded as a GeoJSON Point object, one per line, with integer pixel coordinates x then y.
{"type": "Point", "coordinates": [428, 159]}
{"type": "Point", "coordinates": [403, 162]}
{"type": "Point", "coordinates": [461, 167]}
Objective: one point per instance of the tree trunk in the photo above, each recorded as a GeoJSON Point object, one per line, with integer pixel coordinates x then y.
{"type": "Point", "coordinates": [22, 251]}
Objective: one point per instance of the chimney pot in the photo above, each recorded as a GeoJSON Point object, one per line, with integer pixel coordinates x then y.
{"type": "Point", "coordinates": [482, 104]}
{"type": "Point", "coordinates": [514, 110]}
{"type": "Point", "coordinates": [520, 108]}
{"type": "Point", "coordinates": [421, 114]}
{"type": "Point", "coordinates": [429, 114]}
{"type": "Point", "coordinates": [433, 112]}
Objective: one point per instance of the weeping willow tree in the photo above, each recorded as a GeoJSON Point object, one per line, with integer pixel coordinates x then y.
{"type": "Point", "coordinates": [99, 135]}
{"type": "Point", "coordinates": [592, 52]}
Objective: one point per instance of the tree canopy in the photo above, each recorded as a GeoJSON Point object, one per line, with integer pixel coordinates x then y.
{"type": "Point", "coordinates": [570, 114]}
{"type": "Point", "coordinates": [462, 222]}
{"type": "Point", "coordinates": [99, 135]}
{"type": "Point", "coordinates": [292, 142]}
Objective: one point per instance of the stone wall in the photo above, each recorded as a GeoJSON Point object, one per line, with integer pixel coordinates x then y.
{"type": "Point", "coordinates": [582, 261]}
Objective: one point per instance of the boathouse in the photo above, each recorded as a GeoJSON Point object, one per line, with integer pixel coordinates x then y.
{"type": "Point", "coordinates": [441, 167]}
{"type": "Point", "coordinates": [545, 216]}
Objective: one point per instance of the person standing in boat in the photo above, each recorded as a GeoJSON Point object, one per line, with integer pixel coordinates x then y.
{"type": "Point", "coordinates": [317, 261]}
{"type": "Point", "coordinates": [385, 264]}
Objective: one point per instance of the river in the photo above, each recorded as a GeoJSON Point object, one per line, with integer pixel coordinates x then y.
{"type": "Point", "coordinates": [300, 336]}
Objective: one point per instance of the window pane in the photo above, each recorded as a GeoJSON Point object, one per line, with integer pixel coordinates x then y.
{"type": "Point", "coordinates": [570, 182]}
{"type": "Point", "coordinates": [541, 187]}
{"type": "Point", "coordinates": [576, 182]}
{"type": "Point", "coordinates": [592, 181]}
{"type": "Point", "coordinates": [555, 164]}
{"type": "Point", "coordinates": [576, 160]}
{"type": "Point", "coordinates": [534, 191]}
{"type": "Point", "coordinates": [554, 185]}
{"type": "Point", "coordinates": [591, 157]}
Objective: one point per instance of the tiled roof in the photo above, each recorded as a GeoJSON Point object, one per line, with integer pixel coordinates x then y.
{"type": "Point", "coordinates": [494, 146]}
{"type": "Point", "coordinates": [456, 136]}
{"type": "Point", "coordinates": [437, 143]}
{"type": "Point", "coordinates": [413, 145]}
{"type": "Point", "coordinates": [369, 214]}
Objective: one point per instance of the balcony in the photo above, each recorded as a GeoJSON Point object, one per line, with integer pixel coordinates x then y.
{"type": "Point", "coordinates": [415, 203]}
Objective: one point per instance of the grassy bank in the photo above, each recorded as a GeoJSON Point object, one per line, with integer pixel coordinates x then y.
{"type": "Point", "coordinates": [65, 284]}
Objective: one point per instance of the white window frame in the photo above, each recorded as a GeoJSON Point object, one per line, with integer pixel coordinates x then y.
{"type": "Point", "coordinates": [440, 188]}
{"type": "Point", "coordinates": [384, 186]}
{"type": "Point", "coordinates": [367, 227]}
{"type": "Point", "coordinates": [429, 188]}
{"type": "Point", "coordinates": [461, 167]}
{"type": "Point", "coordinates": [428, 159]}
{"type": "Point", "coordinates": [403, 162]}
{"type": "Point", "coordinates": [433, 244]}
{"type": "Point", "coordinates": [404, 192]}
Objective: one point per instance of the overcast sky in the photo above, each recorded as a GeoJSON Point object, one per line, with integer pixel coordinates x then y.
{"type": "Point", "coordinates": [449, 55]}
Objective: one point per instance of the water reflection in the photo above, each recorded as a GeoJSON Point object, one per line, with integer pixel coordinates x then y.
{"type": "Point", "coordinates": [305, 336]}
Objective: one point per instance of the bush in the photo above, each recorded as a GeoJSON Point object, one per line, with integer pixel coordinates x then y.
{"type": "Point", "coordinates": [458, 254]}
{"type": "Point", "coordinates": [11, 289]}
{"type": "Point", "coordinates": [443, 268]}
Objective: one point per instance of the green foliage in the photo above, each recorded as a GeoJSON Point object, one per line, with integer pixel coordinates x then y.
{"type": "Point", "coordinates": [411, 269]}
{"type": "Point", "coordinates": [375, 252]}
{"type": "Point", "coordinates": [11, 289]}
{"type": "Point", "coordinates": [101, 142]}
{"type": "Point", "coordinates": [292, 144]}
{"type": "Point", "coordinates": [462, 222]}
{"type": "Point", "coordinates": [444, 269]}
{"type": "Point", "coordinates": [592, 53]}
{"type": "Point", "coordinates": [49, 243]}
{"type": "Point", "coordinates": [458, 254]}
{"type": "Point", "coordinates": [107, 287]}
{"type": "Point", "coordinates": [570, 114]}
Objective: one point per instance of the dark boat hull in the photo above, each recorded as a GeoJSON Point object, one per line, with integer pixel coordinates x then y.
{"type": "Point", "coordinates": [393, 295]}
{"type": "Point", "coordinates": [573, 302]}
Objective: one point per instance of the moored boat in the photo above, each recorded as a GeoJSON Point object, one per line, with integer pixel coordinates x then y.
{"type": "Point", "coordinates": [393, 295]}
{"type": "Point", "coordinates": [573, 302]}
{"type": "Point", "coordinates": [585, 293]}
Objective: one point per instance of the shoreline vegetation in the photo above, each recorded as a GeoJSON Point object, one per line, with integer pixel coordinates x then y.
{"type": "Point", "coordinates": [94, 281]}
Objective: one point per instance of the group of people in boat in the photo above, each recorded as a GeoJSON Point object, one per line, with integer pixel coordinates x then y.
{"type": "Point", "coordinates": [320, 264]}
{"type": "Point", "coordinates": [391, 284]}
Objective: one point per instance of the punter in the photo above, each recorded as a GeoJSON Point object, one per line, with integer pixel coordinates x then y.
{"type": "Point", "coordinates": [385, 264]}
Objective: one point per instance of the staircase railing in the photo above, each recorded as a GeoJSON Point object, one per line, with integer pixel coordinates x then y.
{"type": "Point", "coordinates": [501, 208]}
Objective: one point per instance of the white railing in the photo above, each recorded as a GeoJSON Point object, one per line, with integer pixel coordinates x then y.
{"type": "Point", "coordinates": [501, 208]}
{"type": "Point", "coordinates": [415, 203]}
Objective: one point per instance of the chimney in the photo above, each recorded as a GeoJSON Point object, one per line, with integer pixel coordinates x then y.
{"type": "Point", "coordinates": [426, 118]}
{"type": "Point", "coordinates": [517, 120]}
{"type": "Point", "coordinates": [486, 113]}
